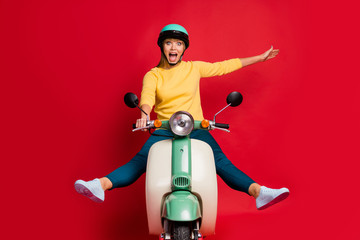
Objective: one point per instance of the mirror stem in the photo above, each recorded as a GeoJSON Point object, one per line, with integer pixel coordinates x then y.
{"type": "Point", "coordinates": [221, 111]}
{"type": "Point", "coordinates": [147, 116]}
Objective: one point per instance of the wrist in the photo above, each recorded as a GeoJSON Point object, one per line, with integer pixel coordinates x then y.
{"type": "Point", "coordinates": [261, 58]}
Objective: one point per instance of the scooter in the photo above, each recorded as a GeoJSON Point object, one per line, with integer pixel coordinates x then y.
{"type": "Point", "coordinates": [181, 185]}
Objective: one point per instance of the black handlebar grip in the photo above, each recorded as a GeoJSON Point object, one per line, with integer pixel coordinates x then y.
{"type": "Point", "coordinates": [222, 125]}
{"type": "Point", "coordinates": [134, 125]}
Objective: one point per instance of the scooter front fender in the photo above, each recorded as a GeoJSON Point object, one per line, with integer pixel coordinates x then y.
{"type": "Point", "coordinates": [181, 206]}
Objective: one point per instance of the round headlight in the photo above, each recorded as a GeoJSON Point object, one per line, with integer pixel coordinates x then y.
{"type": "Point", "coordinates": [181, 123]}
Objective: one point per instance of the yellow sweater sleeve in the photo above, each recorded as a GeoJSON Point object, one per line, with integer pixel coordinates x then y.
{"type": "Point", "coordinates": [219, 68]}
{"type": "Point", "coordinates": [149, 89]}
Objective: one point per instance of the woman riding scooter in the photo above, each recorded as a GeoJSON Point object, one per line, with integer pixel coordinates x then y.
{"type": "Point", "coordinates": [171, 86]}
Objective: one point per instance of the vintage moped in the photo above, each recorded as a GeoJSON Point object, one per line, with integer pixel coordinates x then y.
{"type": "Point", "coordinates": [181, 185]}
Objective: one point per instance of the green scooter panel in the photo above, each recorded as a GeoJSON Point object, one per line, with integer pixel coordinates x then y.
{"type": "Point", "coordinates": [181, 206]}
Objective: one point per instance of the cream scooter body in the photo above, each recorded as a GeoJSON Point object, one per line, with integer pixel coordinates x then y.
{"type": "Point", "coordinates": [203, 184]}
{"type": "Point", "coordinates": [181, 185]}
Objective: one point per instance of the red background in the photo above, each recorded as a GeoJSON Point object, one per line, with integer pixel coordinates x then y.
{"type": "Point", "coordinates": [65, 66]}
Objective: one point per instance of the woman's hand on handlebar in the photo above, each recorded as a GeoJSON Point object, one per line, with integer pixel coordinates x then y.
{"type": "Point", "coordinates": [141, 122]}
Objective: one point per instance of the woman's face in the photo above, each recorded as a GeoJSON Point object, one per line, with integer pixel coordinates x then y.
{"type": "Point", "coordinates": [173, 50]}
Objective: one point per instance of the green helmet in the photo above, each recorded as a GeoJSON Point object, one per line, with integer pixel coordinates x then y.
{"type": "Point", "coordinates": [173, 31]}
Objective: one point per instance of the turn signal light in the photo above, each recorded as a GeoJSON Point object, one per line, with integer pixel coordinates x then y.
{"type": "Point", "coordinates": [205, 123]}
{"type": "Point", "coordinates": [157, 123]}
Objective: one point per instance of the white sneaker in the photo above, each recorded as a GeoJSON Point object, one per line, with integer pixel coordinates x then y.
{"type": "Point", "coordinates": [91, 189]}
{"type": "Point", "coordinates": [269, 197]}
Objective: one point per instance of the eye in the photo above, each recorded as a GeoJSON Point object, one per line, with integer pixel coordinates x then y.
{"type": "Point", "coordinates": [168, 43]}
{"type": "Point", "coordinates": [179, 43]}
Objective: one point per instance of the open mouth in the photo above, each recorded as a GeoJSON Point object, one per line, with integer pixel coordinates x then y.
{"type": "Point", "coordinates": [172, 57]}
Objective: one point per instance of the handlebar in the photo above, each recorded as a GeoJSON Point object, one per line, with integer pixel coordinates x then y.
{"type": "Point", "coordinates": [197, 125]}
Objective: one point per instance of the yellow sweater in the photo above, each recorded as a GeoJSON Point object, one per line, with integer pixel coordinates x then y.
{"type": "Point", "coordinates": [177, 89]}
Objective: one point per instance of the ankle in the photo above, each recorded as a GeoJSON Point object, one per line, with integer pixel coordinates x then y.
{"type": "Point", "coordinates": [106, 184]}
{"type": "Point", "coordinates": [254, 190]}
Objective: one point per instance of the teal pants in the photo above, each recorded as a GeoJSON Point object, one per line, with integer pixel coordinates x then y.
{"type": "Point", "coordinates": [130, 172]}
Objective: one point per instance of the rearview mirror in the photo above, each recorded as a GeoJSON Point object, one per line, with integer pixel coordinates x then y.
{"type": "Point", "coordinates": [234, 99]}
{"type": "Point", "coordinates": [131, 100]}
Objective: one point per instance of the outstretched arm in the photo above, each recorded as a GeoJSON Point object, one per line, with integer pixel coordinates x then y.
{"type": "Point", "coordinates": [269, 54]}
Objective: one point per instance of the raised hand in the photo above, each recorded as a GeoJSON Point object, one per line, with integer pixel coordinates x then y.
{"type": "Point", "coordinates": [269, 54]}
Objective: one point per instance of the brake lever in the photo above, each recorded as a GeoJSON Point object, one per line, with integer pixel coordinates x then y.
{"type": "Point", "coordinates": [223, 129]}
{"type": "Point", "coordinates": [137, 129]}
{"type": "Point", "coordinates": [149, 124]}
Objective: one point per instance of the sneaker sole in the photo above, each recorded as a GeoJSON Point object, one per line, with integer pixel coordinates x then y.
{"type": "Point", "coordinates": [81, 189]}
{"type": "Point", "coordinates": [275, 200]}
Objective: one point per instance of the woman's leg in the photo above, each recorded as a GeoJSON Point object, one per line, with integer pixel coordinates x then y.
{"type": "Point", "coordinates": [236, 179]}
{"type": "Point", "coordinates": [123, 176]}
{"type": "Point", "coordinates": [231, 175]}
{"type": "Point", "coordinates": [131, 171]}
